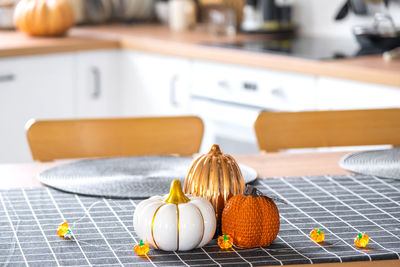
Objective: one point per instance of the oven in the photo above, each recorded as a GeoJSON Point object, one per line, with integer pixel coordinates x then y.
{"type": "Point", "coordinates": [229, 98]}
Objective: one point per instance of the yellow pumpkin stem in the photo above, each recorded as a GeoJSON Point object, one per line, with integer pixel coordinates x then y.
{"type": "Point", "coordinates": [176, 195]}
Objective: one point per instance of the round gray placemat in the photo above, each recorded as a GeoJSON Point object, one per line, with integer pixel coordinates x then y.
{"type": "Point", "coordinates": [128, 177]}
{"type": "Point", "coordinates": [381, 163]}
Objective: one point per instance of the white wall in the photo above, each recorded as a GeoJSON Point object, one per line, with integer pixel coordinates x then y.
{"type": "Point", "coordinates": [316, 17]}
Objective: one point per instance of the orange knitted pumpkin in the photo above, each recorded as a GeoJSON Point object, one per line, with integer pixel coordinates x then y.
{"type": "Point", "coordinates": [252, 220]}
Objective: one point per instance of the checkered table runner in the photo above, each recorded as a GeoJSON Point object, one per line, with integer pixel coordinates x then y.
{"type": "Point", "coordinates": [341, 205]}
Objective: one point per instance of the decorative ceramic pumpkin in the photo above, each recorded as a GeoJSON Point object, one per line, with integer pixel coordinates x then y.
{"type": "Point", "coordinates": [317, 235]}
{"type": "Point", "coordinates": [44, 17]}
{"type": "Point", "coordinates": [215, 176]}
{"type": "Point", "coordinates": [176, 221]}
{"type": "Point", "coordinates": [252, 220]}
{"type": "Point", "coordinates": [361, 240]}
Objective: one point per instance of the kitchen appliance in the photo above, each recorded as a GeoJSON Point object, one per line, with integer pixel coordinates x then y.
{"type": "Point", "coordinates": [236, 6]}
{"type": "Point", "coordinates": [219, 19]}
{"type": "Point", "coordinates": [231, 97]}
{"type": "Point", "coordinates": [359, 7]}
{"type": "Point", "coordinates": [383, 35]}
{"type": "Point", "coordinates": [267, 16]}
{"type": "Point", "coordinates": [304, 47]}
{"type": "Point", "coordinates": [101, 11]}
{"type": "Point", "coordinates": [251, 20]}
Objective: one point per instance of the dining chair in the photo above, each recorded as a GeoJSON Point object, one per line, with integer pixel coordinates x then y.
{"type": "Point", "coordinates": [87, 138]}
{"type": "Point", "coordinates": [310, 129]}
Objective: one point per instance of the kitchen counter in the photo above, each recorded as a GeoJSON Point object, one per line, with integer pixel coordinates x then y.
{"type": "Point", "coordinates": [158, 39]}
{"type": "Point", "coordinates": [18, 44]}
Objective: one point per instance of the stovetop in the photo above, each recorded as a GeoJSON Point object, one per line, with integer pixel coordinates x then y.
{"type": "Point", "coordinates": [304, 47]}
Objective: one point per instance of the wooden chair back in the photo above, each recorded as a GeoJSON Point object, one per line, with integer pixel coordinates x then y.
{"type": "Point", "coordinates": [310, 129]}
{"type": "Point", "coordinates": [86, 138]}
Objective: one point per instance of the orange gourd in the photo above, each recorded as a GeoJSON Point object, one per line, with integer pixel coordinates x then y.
{"type": "Point", "coordinates": [252, 220]}
{"type": "Point", "coordinates": [44, 17]}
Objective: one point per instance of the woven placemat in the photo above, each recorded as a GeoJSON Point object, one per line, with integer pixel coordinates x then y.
{"type": "Point", "coordinates": [126, 177]}
{"type": "Point", "coordinates": [381, 163]}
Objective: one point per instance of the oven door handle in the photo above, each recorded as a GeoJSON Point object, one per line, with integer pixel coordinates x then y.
{"type": "Point", "coordinates": [226, 102]}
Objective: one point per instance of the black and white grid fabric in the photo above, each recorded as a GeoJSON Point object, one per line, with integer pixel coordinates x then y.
{"type": "Point", "coordinates": [340, 205]}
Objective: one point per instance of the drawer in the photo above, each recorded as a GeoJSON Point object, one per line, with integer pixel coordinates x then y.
{"type": "Point", "coordinates": [343, 94]}
{"type": "Point", "coordinates": [252, 86]}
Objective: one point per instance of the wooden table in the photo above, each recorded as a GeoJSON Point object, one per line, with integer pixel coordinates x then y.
{"type": "Point", "coordinates": [266, 165]}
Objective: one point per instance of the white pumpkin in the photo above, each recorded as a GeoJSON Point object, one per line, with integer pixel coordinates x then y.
{"type": "Point", "coordinates": [175, 221]}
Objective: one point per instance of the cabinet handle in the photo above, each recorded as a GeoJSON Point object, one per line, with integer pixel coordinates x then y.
{"type": "Point", "coordinates": [96, 92]}
{"type": "Point", "coordinates": [172, 90]}
{"type": "Point", "coordinates": [7, 78]}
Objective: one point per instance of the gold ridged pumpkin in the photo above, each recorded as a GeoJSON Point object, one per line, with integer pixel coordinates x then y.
{"type": "Point", "coordinates": [44, 17]}
{"type": "Point", "coordinates": [215, 176]}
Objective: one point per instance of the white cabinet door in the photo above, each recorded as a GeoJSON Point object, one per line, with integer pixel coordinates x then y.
{"type": "Point", "coordinates": [265, 89]}
{"type": "Point", "coordinates": [154, 85]}
{"type": "Point", "coordinates": [339, 94]}
{"type": "Point", "coordinates": [32, 87]}
{"type": "Point", "coordinates": [98, 85]}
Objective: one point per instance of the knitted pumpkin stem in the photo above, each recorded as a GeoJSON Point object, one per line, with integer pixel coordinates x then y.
{"type": "Point", "coordinates": [251, 191]}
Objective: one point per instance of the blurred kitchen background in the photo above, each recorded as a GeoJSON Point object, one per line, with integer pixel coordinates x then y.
{"type": "Point", "coordinates": [159, 58]}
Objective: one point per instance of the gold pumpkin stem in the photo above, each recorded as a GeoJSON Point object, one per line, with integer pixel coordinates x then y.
{"type": "Point", "coordinates": [215, 149]}
{"type": "Point", "coordinates": [176, 195]}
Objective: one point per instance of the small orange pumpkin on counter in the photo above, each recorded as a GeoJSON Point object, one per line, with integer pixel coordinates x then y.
{"type": "Point", "coordinates": [361, 240]}
{"type": "Point", "coordinates": [252, 220]}
{"type": "Point", "coordinates": [141, 248]}
{"type": "Point", "coordinates": [44, 17]}
{"type": "Point", "coordinates": [317, 235]}
{"type": "Point", "coordinates": [225, 241]}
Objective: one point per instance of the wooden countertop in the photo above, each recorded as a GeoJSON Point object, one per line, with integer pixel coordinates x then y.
{"type": "Point", "coordinates": [159, 39]}
{"type": "Point", "coordinates": [18, 44]}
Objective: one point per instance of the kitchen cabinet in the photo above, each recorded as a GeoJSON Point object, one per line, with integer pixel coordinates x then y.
{"type": "Point", "coordinates": [337, 94]}
{"type": "Point", "coordinates": [98, 84]}
{"type": "Point", "coordinates": [32, 87]}
{"type": "Point", "coordinates": [69, 85]}
{"type": "Point", "coordinates": [113, 83]}
{"type": "Point", "coordinates": [154, 85]}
